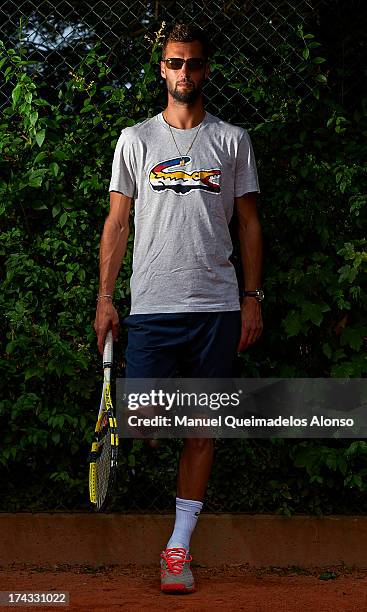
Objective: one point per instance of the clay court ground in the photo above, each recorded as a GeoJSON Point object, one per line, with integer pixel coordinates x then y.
{"type": "Point", "coordinates": [332, 589]}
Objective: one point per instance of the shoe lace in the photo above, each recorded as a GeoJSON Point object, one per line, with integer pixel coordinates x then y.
{"type": "Point", "coordinates": [175, 558]}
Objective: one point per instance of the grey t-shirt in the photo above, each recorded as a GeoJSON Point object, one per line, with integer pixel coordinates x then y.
{"type": "Point", "coordinates": [182, 241]}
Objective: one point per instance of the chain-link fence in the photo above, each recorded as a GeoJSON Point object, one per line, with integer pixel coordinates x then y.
{"type": "Point", "coordinates": [59, 34]}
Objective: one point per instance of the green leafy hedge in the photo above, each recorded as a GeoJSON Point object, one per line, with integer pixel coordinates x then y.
{"type": "Point", "coordinates": [55, 170]}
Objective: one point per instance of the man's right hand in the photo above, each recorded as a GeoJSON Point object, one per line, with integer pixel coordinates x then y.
{"type": "Point", "coordinates": [106, 318]}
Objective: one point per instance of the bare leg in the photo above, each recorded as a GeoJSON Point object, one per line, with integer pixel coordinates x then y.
{"type": "Point", "coordinates": [195, 466]}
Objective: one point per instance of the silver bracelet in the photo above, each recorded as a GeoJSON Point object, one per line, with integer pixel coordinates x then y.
{"type": "Point", "coordinates": [106, 295]}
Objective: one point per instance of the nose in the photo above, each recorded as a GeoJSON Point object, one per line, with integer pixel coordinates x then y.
{"type": "Point", "coordinates": [184, 70]}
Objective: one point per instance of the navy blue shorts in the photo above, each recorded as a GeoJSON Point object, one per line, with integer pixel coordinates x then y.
{"type": "Point", "coordinates": [193, 345]}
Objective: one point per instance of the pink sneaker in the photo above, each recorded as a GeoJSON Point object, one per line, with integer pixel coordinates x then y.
{"type": "Point", "coordinates": [176, 575]}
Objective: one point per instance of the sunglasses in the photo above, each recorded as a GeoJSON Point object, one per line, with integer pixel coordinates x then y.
{"type": "Point", "coordinates": [176, 63]}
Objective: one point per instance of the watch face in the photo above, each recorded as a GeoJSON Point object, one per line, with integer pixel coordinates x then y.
{"type": "Point", "coordinates": [260, 294]}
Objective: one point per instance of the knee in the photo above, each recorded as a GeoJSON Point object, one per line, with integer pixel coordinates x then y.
{"type": "Point", "coordinates": [199, 445]}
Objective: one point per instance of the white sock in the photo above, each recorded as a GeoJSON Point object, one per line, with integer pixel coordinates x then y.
{"type": "Point", "coordinates": [187, 514]}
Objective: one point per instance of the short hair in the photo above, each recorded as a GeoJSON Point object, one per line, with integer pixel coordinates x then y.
{"type": "Point", "coordinates": [184, 32]}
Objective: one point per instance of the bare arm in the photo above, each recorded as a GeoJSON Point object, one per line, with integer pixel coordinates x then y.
{"type": "Point", "coordinates": [111, 253]}
{"type": "Point", "coordinates": [250, 237]}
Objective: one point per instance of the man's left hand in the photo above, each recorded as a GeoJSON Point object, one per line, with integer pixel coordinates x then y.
{"type": "Point", "coordinates": [251, 323]}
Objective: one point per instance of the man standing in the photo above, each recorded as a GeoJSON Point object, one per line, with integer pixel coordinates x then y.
{"type": "Point", "coordinates": [185, 169]}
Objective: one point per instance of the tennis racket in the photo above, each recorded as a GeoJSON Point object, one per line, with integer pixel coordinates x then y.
{"type": "Point", "coordinates": [103, 456]}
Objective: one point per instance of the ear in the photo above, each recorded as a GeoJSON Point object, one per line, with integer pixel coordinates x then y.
{"type": "Point", "coordinates": [163, 70]}
{"type": "Point", "coordinates": [207, 71]}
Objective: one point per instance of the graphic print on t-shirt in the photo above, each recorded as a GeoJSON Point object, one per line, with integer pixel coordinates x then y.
{"type": "Point", "coordinates": [170, 174]}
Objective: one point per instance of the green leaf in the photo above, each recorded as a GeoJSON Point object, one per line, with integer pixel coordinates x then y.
{"type": "Point", "coordinates": [39, 206]}
{"type": "Point", "coordinates": [314, 312]}
{"type": "Point", "coordinates": [55, 436]}
{"type": "Point", "coordinates": [15, 94]}
{"type": "Point", "coordinates": [39, 157]}
{"type": "Point", "coordinates": [331, 461]}
{"type": "Point", "coordinates": [293, 324]}
{"type": "Point", "coordinates": [10, 347]}
{"type": "Point", "coordinates": [87, 108]}
{"type": "Point", "coordinates": [36, 177]}
{"type": "Point", "coordinates": [354, 337]}
{"type": "Point", "coordinates": [347, 274]}
{"type": "Point", "coordinates": [33, 372]}
{"type": "Point", "coordinates": [321, 78]}
{"type": "Point", "coordinates": [40, 137]}
{"type": "Point", "coordinates": [61, 155]}
{"type": "Point", "coordinates": [63, 219]}
{"type": "Point", "coordinates": [33, 118]}
{"type": "Point", "coordinates": [356, 448]}
{"type": "Point", "coordinates": [54, 167]}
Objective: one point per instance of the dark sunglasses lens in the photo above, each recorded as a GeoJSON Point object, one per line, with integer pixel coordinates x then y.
{"type": "Point", "coordinates": [195, 64]}
{"type": "Point", "coordinates": [174, 63]}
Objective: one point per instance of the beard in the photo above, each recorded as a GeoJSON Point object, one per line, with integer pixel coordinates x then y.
{"type": "Point", "coordinates": [188, 96]}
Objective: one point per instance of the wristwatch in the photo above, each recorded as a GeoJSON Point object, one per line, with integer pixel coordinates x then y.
{"type": "Point", "coordinates": [258, 294]}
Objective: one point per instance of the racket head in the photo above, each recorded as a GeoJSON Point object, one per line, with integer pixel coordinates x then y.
{"type": "Point", "coordinates": [104, 451]}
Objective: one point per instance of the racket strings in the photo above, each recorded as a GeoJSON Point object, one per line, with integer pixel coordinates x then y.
{"type": "Point", "coordinates": [106, 459]}
{"type": "Point", "coordinates": [103, 463]}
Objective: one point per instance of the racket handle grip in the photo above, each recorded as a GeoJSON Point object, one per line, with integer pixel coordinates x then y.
{"type": "Point", "coordinates": [108, 350]}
